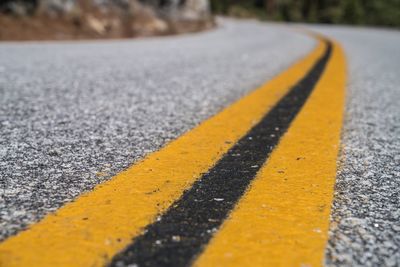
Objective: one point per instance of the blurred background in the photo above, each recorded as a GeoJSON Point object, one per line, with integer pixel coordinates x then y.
{"type": "Point", "coordinates": [76, 19]}
{"type": "Point", "coordinates": [359, 12]}
{"type": "Point", "coordinates": [88, 19]}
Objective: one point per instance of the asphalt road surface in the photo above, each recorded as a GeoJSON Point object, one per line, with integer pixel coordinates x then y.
{"type": "Point", "coordinates": [366, 211]}
{"type": "Point", "coordinates": [72, 115]}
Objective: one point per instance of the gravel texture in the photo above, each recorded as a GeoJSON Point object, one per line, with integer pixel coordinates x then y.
{"type": "Point", "coordinates": [365, 228]}
{"type": "Point", "coordinates": [74, 114]}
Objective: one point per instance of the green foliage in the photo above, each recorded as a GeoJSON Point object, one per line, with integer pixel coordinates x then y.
{"type": "Point", "coordinates": [353, 12]}
{"type": "Point", "coordinates": [370, 12]}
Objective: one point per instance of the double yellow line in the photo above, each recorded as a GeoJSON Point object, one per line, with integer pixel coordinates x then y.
{"type": "Point", "coordinates": [281, 220]}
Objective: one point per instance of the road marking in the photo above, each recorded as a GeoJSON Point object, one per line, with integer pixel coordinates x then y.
{"type": "Point", "coordinates": [181, 232]}
{"type": "Point", "coordinates": [283, 218]}
{"type": "Point", "coordinates": [90, 230]}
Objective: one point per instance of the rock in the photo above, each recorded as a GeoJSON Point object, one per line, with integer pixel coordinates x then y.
{"type": "Point", "coordinates": [56, 7]}
{"type": "Point", "coordinates": [96, 24]}
{"type": "Point", "coordinates": [144, 21]}
{"type": "Point", "coordinates": [196, 10]}
{"type": "Point", "coordinates": [181, 9]}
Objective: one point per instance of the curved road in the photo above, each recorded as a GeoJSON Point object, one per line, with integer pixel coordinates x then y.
{"type": "Point", "coordinates": [72, 115]}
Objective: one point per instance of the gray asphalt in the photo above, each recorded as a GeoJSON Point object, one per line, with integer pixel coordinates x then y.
{"type": "Point", "coordinates": [74, 114]}
{"type": "Point", "coordinates": [365, 228]}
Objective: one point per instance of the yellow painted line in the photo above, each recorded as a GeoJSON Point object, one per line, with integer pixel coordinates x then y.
{"type": "Point", "coordinates": [283, 218]}
{"type": "Point", "coordinates": [90, 230]}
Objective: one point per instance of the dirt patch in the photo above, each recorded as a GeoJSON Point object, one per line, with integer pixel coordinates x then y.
{"type": "Point", "coordinates": [87, 21]}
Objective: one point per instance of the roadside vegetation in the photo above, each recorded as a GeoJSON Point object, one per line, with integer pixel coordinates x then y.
{"type": "Point", "coordinates": [358, 12]}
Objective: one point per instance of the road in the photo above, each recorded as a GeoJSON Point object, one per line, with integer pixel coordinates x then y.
{"type": "Point", "coordinates": [365, 229]}
{"type": "Point", "coordinates": [73, 115]}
